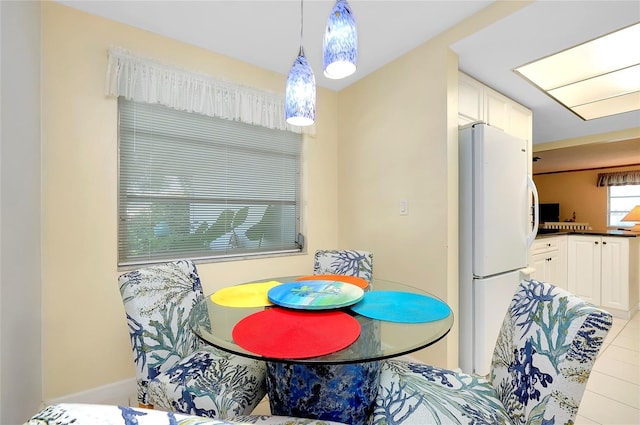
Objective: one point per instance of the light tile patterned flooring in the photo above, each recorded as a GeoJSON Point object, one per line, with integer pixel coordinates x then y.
{"type": "Point", "coordinates": [262, 408]}
{"type": "Point", "coordinates": [613, 391]}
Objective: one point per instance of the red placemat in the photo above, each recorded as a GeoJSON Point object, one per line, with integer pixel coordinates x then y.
{"type": "Point", "coordinates": [354, 280]}
{"type": "Point", "coordinates": [293, 334]}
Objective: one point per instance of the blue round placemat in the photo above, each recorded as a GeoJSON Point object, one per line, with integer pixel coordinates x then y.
{"type": "Point", "coordinates": [402, 307]}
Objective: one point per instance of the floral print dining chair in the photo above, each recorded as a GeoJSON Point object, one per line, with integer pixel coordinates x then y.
{"type": "Point", "coordinates": [542, 360]}
{"type": "Point", "coordinates": [346, 262]}
{"type": "Point", "coordinates": [175, 370]}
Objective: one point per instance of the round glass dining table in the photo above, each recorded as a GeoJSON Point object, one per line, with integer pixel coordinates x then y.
{"type": "Point", "coordinates": [347, 378]}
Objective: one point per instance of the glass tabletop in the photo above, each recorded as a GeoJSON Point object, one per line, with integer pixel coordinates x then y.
{"type": "Point", "coordinates": [378, 339]}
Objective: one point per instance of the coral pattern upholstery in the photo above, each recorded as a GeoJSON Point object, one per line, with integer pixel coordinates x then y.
{"type": "Point", "coordinates": [174, 369]}
{"type": "Point", "coordinates": [345, 262]}
{"type": "Point", "coordinates": [100, 414]}
{"type": "Point", "coordinates": [545, 351]}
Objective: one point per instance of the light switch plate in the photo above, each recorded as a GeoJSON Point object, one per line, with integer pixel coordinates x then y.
{"type": "Point", "coordinates": [404, 207]}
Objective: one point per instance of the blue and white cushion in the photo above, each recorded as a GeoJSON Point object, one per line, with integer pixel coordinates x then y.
{"type": "Point", "coordinates": [545, 351]}
{"type": "Point", "coordinates": [346, 262]}
{"type": "Point", "coordinates": [101, 414]}
{"type": "Point", "coordinates": [174, 369]}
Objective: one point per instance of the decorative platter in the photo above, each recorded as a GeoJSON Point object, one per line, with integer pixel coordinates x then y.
{"type": "Point", "coordinates": [315, 294]}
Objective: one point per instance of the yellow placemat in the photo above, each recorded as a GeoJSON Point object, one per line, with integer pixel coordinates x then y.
{"type": "Point", "coordinates": [247, 295]}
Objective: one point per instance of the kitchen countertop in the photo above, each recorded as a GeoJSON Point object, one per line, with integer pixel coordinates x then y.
{"type": "Point", "coordinates": [617, 233]}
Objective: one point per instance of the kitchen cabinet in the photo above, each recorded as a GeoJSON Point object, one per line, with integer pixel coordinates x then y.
{"type": "Point", "coordinates": [470, 100]}
{"type": "Point", "coordinates": [478, 102]}
{"type": "Point", "coordinates": [583, 267]}
{"type": "Point", "coordinates": [562, 242]}
{"type": "Point", "coordinates": [548, 258]}
{"type": "Point", "coordinates": [604, 271]}
{"type": "Point", "coordinates": [616, 270]}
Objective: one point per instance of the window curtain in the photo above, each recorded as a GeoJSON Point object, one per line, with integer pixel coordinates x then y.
{"type": "Point", "coordinates": [150, 81]}
{"type": "Point", "coordinates": [622, 178]}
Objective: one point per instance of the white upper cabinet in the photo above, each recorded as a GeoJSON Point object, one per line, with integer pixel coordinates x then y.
{"type": "Point", "coordinates": [470, 100]}
{"type": "Point", "coordinates": [497, 109]}
{"type": "Point", "coordinates": [478, 102]}
{"type": "Point", "coordinates": [521, 122]}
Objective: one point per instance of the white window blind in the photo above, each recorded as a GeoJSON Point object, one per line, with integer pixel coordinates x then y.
{"type": "Point", "coordinates": [195, 186]}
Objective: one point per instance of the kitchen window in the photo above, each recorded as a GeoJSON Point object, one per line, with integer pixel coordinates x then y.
{"type": "Point", "coordinates": [622, 199]}
{"type": "Point", "coordinates": [200, 187]}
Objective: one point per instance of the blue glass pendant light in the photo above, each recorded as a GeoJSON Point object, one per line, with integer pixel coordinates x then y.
{"type": "Point", "coordinates": [300, 92]}
{"type": "Point", "coordinates": [340, 44]}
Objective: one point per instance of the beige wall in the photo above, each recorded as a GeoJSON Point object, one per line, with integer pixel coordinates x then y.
{"type": "Point", "coordinates": [84, 334]}
{"type": "Point", "coordinates": [577, 191]}
{"type": "Point", "coordinates": [398, 133]}
{"type": "Point", "coordinates": [401, 149]}
{"type": "Point", "coordinates": [397, 136]}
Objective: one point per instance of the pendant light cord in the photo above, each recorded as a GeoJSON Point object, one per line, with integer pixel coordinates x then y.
{"type": "Point", "coordinates": [301, 25]}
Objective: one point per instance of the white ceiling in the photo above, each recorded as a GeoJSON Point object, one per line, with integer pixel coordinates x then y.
{"type": "Point", "coordinates": [538, 30]}
{"type": "Point", "coordinates": [588, 156]}
{"type": "Point", "coordinates": [266, 33]}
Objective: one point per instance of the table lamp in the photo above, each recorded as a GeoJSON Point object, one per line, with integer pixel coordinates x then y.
{"type": "Point", "coordinates": [634, 215]}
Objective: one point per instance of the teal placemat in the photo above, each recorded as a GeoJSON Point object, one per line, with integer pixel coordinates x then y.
{"type": "Point", "coordinates": [402, 307]}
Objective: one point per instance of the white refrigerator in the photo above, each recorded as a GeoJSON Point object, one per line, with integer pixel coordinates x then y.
{"type": "Point", "coordinates": [495, 234]}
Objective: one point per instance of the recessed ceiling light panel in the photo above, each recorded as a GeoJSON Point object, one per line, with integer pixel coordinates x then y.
{"type": "Point", "coordinates": [615, 105]}
{"type": "Point", "coordinates": [604, 86]}
{"type": "Point", "coordinates": [595, 79]}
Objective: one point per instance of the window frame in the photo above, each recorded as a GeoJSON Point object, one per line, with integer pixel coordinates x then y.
{"type": "Point", "coordinates": [211, 254]}
{"type": "Point", "coordinates": [622, 213]}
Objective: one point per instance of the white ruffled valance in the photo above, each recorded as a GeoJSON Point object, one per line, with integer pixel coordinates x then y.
{"type": "Point", "coordinates": [621, 178]}
{"type": "Point", "coordinates": [150, 81]}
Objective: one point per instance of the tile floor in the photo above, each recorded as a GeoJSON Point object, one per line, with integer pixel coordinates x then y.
{"type": "Point", "coordinates": [262, 408]}
{"type": "Point", "coordinates": [613, 391]}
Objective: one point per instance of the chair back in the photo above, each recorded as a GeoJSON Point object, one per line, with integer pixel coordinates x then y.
{"type": "Point", "coordinates": [545, 352]}
{"type": "Point", "coordinates": [345, 262]}
{"type": "Point", "coordinates": [157, 301]}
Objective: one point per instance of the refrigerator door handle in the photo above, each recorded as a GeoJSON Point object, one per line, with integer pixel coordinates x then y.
{"type": "Point", "coordinates": [536, 219]}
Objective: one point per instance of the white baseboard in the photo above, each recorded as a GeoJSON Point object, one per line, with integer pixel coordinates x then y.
{"type": "Point", "coordinates": [621, 314]}
{"type": "Point", "coordinates": [122, 393]}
